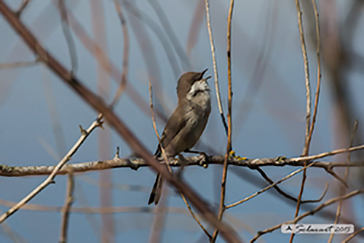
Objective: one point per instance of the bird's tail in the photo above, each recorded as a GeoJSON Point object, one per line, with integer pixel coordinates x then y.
{"type": "Point", "coordinates": [156, 193]}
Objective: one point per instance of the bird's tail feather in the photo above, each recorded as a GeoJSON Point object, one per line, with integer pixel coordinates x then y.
{"type": "Point", "coordinates": [157, 190]}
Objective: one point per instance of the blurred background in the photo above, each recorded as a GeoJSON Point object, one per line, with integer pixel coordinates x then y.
{"type": "Point", "coordinates": [40, 116]}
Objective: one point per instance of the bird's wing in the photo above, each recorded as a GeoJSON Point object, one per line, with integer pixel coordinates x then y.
{"type": "Point", "coordinates": [174, 125]}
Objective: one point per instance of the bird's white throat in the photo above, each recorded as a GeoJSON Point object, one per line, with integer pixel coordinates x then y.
{"type": "Point", "coordinates": [201, 89]}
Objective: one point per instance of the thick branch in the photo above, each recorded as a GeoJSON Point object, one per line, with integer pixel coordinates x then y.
{"type": "Point", "coordinates": [14, 171]}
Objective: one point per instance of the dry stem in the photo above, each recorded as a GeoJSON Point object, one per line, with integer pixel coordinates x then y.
{"type": "Point", "coordinates": [208, 22]}
{"type": "Point", "coordinates": [50, 179]}
{"type": "Point", "coordinates": [229, 142]}
{"type": "Point", "coordinates": [66, 208]}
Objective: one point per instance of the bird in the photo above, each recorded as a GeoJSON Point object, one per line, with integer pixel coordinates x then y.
{"type": "Point", "coordinates": [187, 123]}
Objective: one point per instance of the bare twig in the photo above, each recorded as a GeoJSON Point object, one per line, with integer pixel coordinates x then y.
{"type": "Point", "coordinates": [312, 212]}
{"type": "Point", "coordinates": [100, 210]}
{"type": "Point", "coordinates": [66, 208]}
{"type": "Point", "coordinates": [23, 5]}
{"type": "Point", "coordinates": [315, 109]}
{"type": "Point", "coordinates": [331, 153]}
{"type": "Point", "coordinates": [107, 65]}
{"type": "Point", "coordinates": [186, 65]}
{"type": "Point", "coordinates": [208, 22]}
{"type": "Point", "coordinates": [264, 175]}
{"type": "Point", "coordinates": [195, 25]}
{"type": "Point", "coordinates": [229, 142]}
{"type": "Point", "coordinates": [54, 116]}
{"type": "Point", "coordinates": [195, 217]}
{"type": "Point", "coordinates": [343, 189]}
{"type": "Point", "coordinates": [149, 22]}
{"type": "Point", "coordinates": [68, 36]}
{"type": "Point", "coordinates": [125, 71]}
{"type": "Point", "coordinates": [98, 104]}
{"type": "Point", "coordinates": [159, 220]}
{"type": "Point", "coordinates": [50, 179]}
{"type": "Point", "coordinates": [14, 236]}
{"type": "Point", "coordinates": [268, 187]}
{"type": "Point", "coordinates": [307, 80]}
{"type": "Point", "coordinates": [18, 64]}
{"type": "Point", "coordinates": [353, 235]}
{"type": "Point", "coordinates": [156, 130]}
{"type": "Point", "coordinates": [308, 106]}
{"type": "Point", "coordinates": [107, 226]}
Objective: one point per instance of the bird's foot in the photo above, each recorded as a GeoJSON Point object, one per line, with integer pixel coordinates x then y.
{"type": "Point", "coordinates": [183, 163]}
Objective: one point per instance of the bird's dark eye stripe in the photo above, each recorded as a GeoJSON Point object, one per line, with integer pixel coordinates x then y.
{"type": "Point", "coordinates": [196, 92]}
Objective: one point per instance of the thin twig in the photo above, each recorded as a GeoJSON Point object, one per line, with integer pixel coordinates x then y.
{"type": "Point", "coordinates": [307, 79]}
{"type": "Point", "coordinates": [195, 217]}
{"type": "Point", "coordinates": [98, 24]}
{"type": "Point", "coordinates": [264, 175]}
{"type": "Point", "coordinates": [147, 21]}
{"type": "Point", "coordinates": [194, 29]}
{"type": "Point", "coordinates": [23, 5]}
{"type": "Point", "coordinates": [66, 208]}
{"type": "Point", "coordinates": [268, 187]}
{"type": "Point", "coordinates": [156, 130]}
{"type": "Point", "coordinates": [312, 212]}
{"type": "Point", "coordinates": [208, 22]}
{"type": "Point", "coordinates": [94, 49]}
{"type": "Point", "coordinates": [14, 236]}
{"type": "Point", "coordinates": [331, 153]}
{"type": "Point", "coordinates": [319, 75]}
{"type": "Point", "coordinates": [353, 235]}
{"type": "Point", "coordinates": [156, 228]}
{"type": "Point", "coordinates": [229, 142]}
{"type": "Point", "coordinates": [186, 65]}
{"type": "Point", "coordinates": [50, 179]}
{"type": "Point", "coordinates": [308, 106]}
{"type": "Point", "coordinates": [125, 71]}
{"type": "Point", "coordinates": [343, 189]}
{"type": "Point", "coordinates": [68, 36]}
{"type": "Point", "coordinates": [18, 64]}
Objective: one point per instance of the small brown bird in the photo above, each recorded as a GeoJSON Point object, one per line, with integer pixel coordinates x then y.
{"type": "Point", "coordinates": [187, 123]}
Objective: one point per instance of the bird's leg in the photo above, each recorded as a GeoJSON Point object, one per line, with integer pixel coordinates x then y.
{"type": "Point", "coordinates": [183, 163]}
{"type": "Point", "coordinates": [204, 157]}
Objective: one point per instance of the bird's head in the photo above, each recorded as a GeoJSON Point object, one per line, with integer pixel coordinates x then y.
{"type": "Point", "coordinates": [189, 82]}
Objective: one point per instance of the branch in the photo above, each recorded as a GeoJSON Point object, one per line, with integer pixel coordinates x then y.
{"type": "Point", "coordinates": [342, 189]}
{"type": "Point", "coordinates": [272, 185]}
{"type": "Point", "coordinates": [353, 235]}
{"type": "Point", "coordinates": [22, 7]}
{"type": "Point", "coordinates": [18, 64]}
{"type": "Point", "coordinates": [229, 142]}
{"type": "Point", "coordinates": [125, 71]}
{"type": "Point", "coordinates": [333, 152]}
{"type": "Point", "coordinates": [208, 23]}
{"type": "Point", "coordinates": [306, 147]}
{"type": "Point", "coordinates": [135, 164]}
{"type": "Point", "coordinates": [68, 36]}
{"type": "Point", "coordinates": [66, 208]}
{"type": "Point", "coordinates": [312, 212]}
{"type": "Point", "coordinates": [50, 179]}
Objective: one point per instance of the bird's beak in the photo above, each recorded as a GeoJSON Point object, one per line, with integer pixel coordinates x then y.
{"type": "Point", "coordinates": [203, 72]}
{"type": "Point", "coordinates": [205, 79]}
